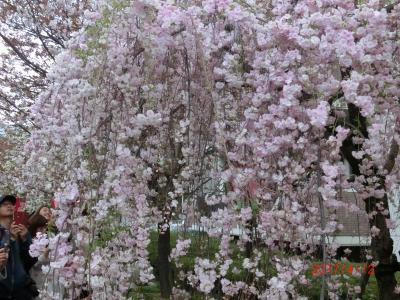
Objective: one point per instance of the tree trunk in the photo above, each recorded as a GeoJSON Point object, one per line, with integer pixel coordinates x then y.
{"type": "Point", "coordinates": [249, 244]}
{"type": "Point", "coordinates": [164, 250]}
{"type": "Point", "coordinates": [381, 243]}
{"type": "Point", "coordinates": [382, 251]}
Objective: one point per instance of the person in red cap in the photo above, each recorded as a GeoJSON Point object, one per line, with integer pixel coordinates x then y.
{"type": "Point", "coordinates": [15, 282]}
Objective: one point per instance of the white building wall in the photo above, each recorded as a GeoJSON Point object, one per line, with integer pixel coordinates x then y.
{"type": "Point", "coordinates": [394, 209]}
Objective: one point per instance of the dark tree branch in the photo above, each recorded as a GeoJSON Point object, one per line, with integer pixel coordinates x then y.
{"type": "Point", "coordinates": [44, 43]}
{"type": "Point", "coordinates": [13, 105]}
{"type": "Point", "coordinates": [23, 57]}
{"type": "Point", "coordinates": [55, 39]}
{"type": "Point", "coordinates": [390, 7]}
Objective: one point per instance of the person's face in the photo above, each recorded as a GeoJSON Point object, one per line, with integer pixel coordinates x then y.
{"type": "Point", "coordinates": [6, 209]}
{"type": "Point", "coordinates": [46, 213]}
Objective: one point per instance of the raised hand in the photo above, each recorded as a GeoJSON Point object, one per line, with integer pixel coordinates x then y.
{"type": "Point", "coordinates": [14, 230]}
{"type": "Point", "coordinates": [3, 258]}
{"type": "Point", "coordinates": [23, 232]}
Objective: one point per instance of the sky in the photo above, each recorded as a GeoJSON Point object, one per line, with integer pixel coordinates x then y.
{"type": "Point", "coordinates": [2, 50]}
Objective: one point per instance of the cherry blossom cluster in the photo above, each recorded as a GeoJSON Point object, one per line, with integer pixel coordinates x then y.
{"type": "Point", "coordinates": [153, 99]}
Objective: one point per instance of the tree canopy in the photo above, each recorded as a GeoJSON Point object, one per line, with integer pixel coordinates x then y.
{"type": "Point", "coordinates": [251, 107]}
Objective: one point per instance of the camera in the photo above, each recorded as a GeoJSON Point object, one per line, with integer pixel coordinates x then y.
{"type": "Point", "coordinates": [4, 244]}
{"type": "Point", "coordinates": [4, 238]}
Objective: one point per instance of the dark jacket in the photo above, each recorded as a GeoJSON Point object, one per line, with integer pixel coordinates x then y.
{"type": "Point", "coordinates": [18, 283]}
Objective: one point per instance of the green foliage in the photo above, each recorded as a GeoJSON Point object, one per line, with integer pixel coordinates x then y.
{"type": "Point", "coordinates": [96, 32]}
{"type": "Point", "coordinates": [108, 229]}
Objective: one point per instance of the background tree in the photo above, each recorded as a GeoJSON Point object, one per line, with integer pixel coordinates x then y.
{"type": "Point", "coordinates": [32, 34]}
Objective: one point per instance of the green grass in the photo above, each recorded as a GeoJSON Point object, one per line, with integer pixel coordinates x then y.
{"type": "Point", "coordinates": [201, 246]}
{"type": "Point", "coordinates": [205, 247]}
{"type": "Point", "coordinates": [148, 292]}
{"type": "Point", "coordinates": [312, 290]}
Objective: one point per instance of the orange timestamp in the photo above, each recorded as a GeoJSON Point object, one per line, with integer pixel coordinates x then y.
{"type": "Point", "coordinates": [339, 268]}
